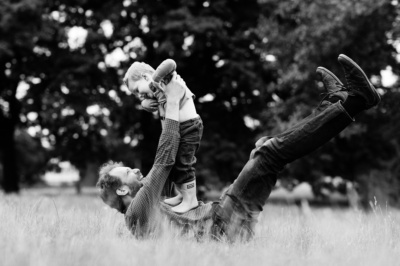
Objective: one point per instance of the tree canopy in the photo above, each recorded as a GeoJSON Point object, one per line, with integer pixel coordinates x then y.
{"type": "Point", "coordinates": [251, 65]}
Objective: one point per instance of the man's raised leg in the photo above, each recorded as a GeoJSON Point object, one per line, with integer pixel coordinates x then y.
{"type": "Point", "coordinates": [238, 210]}
{"type": "Point", "coordinates": [335, 91]}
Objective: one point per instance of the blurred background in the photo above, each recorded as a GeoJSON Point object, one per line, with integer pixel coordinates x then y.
{"type": "Point", "coordinates": [64, 110]}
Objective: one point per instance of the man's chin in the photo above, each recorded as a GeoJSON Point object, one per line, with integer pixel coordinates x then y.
{"type": "Point", "coordinates": [122, 208]}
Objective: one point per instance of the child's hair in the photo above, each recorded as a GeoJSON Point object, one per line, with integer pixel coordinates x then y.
{"type": "Point", "coordinates": [136, 70]}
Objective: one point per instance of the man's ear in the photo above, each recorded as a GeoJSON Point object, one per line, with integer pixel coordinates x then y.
{"type": "Point", "coordinates": [122, 190]}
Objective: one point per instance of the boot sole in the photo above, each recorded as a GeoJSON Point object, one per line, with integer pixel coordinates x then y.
{"type": "Point", "coordinates": [166, 68]}
{"type": "Point", "coordinates": [376, 96]}
{"type": "Point", "coordinates": [331, 74]}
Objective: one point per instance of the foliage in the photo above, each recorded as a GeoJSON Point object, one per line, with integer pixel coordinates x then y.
{"type": "Point", "coordinates": [213, 44]}
{"type": "Point", "coordinates": [305, 34]}
{"type": "Point", "coordinates": [65, 81]}
{"type": "Point", "coordinates": [19, 28]}
{"type": "Point", "coordinates": [251, 65]}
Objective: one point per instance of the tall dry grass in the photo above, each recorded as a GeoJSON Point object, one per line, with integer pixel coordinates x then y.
{"type": "Point", "coordinates": [37, 229]}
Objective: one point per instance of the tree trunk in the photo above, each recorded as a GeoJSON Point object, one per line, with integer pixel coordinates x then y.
{"type": "Point", "coordinates": [90, 175]}
{"type": "Point", "coordinates": [10, 182]}
{"type": "Point", "coordinates": [8, 122]}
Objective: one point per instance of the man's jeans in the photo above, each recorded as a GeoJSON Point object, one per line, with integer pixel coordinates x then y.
{"type": "Point", "coordinates": [236, 215]}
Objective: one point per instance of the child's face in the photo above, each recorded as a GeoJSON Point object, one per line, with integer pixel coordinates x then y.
{"type": "Point", "coordinates": [141, 87]}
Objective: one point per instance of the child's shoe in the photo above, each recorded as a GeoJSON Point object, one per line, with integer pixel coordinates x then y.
{"type": "Point", "coordinates": [164, 71]}
{"type": "Point", "coordinates": [189, 198]}
{"type": "Point", "coordinates": [175, 200]}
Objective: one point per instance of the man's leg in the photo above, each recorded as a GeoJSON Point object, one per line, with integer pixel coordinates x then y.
{"type": "Point", "coordinates": [236, 215]}
{"type": "Point", "coordinates": [335, 91]}
{"type": "Point", "coordinates": [237, 212]}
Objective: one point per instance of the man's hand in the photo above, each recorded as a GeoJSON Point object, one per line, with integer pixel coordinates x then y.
{"type": "Point", "coordinates": [175, 89]}
{"type": "Point", "coordinates": [174, 92]}
{"type": "Point", "coordinates": [150, 105]}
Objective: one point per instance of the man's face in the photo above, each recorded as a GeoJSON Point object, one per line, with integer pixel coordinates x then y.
{"type": "Point", "coordinates": [128, 177]}
{"type": "Point", "coordinates": [141, 87]}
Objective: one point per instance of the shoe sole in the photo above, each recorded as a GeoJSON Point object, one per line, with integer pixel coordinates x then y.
{"type": "Point", "coordinates": [331, 74]}
{"type": "Point", "coordinates": [377, 97]}
{"type": "Point", "coordinates": [341, 95]}
{"type": "Point", "coordinates": [164, 69]}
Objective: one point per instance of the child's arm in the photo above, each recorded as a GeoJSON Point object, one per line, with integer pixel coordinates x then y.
{"type": "Point", "coordinates": [158, 91]}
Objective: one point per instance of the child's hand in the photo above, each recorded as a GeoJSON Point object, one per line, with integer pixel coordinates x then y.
{"type": "Point", "coordinates": [150, 105]}
{"type": "Point", "coordinates": [157, 86]}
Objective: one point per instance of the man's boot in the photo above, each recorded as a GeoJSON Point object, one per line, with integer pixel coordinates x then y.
{"type": "Point", "coordinates": [358, 83]}
{"type": "Point", "coordinates": [332, 84]}
{"type": "Point", "coordinates": [175, 200]}
{"type": "Point", "coordinates": [189, 197]}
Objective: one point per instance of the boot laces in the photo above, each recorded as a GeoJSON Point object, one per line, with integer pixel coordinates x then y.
{"type": "Point", "coordinates": [327, 95]}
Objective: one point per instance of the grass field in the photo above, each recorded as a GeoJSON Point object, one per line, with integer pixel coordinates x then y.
{"type": "Point", "coordinates": [39, 228]}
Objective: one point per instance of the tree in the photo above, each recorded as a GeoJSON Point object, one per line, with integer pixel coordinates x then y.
{"type": "Point", "coordinates": [18, 27]}
{"type": "Point", "coordinates": [63, 80]}
{"type": "Point", "coordinates": [301, 35]}
{"type": "Point", "coordinates": [213, 46]}
{"type": "Point", "coordinates": [83, 115]}
{"type": "Point", "coordinates": [252, 75]}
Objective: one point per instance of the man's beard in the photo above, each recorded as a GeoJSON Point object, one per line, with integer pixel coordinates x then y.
{"type": "Point", "coordinates": [133, 190]}
{"type": "Point", "coordinates": [122, 208]}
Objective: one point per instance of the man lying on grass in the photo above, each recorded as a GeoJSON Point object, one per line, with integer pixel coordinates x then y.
{"type": "Point", "coordinates": [234, 217]}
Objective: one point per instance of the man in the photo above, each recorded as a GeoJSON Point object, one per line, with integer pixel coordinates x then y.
{"type": "Point", "coordinates": [234, 217]}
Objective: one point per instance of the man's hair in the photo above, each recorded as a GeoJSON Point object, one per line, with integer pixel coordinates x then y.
{"type": "Point", "coordinates": [108, 185]}
{"type": "Point", "coordinates": [136, 70]}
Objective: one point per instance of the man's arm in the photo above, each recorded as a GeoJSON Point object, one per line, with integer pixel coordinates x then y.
{"type": "Point", "coordinates": [167, 149]}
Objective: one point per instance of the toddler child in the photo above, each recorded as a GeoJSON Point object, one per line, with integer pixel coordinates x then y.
{"type": "Point", "coordinates": [146, 84]}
